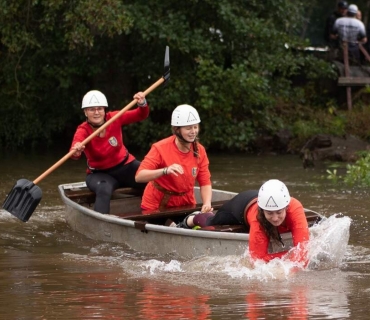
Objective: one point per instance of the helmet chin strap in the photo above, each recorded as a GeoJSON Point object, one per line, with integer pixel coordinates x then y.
{"type": "Point", "coordinates": [184, 142]}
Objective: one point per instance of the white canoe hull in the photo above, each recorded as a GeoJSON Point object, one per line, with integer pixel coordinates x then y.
{"type": "Point", "coordinates": [155, 239]}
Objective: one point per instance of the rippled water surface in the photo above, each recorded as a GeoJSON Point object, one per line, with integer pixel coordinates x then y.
{"type": "Point", "coordinates": [49, 271]}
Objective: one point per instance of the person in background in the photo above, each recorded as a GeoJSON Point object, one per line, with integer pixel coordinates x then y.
{"type": "Point", "coordinates": [352, 31]}
{"type": "Point", "coordinates": [174, 164]}
{"type": "Point", "coordinates": [266, 213]}
{"type": "Point", "coordinates": [340, 12]}
{"type": "Point", "coordinates": [109, 164]}
{"type": "Point", "coordinates": [363, 58]}
{"type": "Point", "coordinates": [359, 15]}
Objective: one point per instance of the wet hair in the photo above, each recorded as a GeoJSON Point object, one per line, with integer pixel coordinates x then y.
{"type": "Point", "coordinates": [270, 230]}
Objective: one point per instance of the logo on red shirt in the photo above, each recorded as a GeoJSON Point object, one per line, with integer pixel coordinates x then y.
{"type": "Point", "coordinates": [113, 141]}
{"type": "Point", "coordinates": [194, 171]}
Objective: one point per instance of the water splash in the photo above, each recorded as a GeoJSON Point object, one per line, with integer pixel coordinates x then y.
{"type": "Point", "coordinates": [228, 267]}
{"type": "Point", "coordinates": [6, 216]}
{"type": "Point", "coordinates": [46, 215]}
{"type": "Point", "coordinates": [328, 242]}
{"type": "Point", "coordinates": [326, 250]}
{"type": "Point", "coordinates": [153, 265]}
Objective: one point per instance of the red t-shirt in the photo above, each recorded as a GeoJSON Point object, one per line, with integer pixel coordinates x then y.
{"type": "Point", "coordinates": [164, 153]}
{"type": "Point", "coordinates": [108, 151]}
{"type": "Point", "coordinates": [295, 222]}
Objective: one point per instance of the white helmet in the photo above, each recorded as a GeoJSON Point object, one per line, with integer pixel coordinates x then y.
{"type": "Point", "coordinates": [184, 115]}
{"type": "Point", "coordinates": [273, 195]}
{"type": "Point", "coordinates": [94, 98]}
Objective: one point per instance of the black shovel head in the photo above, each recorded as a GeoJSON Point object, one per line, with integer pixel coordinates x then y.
{"type": "Point", "coordinates": [23, 199]}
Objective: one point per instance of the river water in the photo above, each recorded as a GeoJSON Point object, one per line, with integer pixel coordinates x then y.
{"type": "Point", "coordinates": [49, 271]}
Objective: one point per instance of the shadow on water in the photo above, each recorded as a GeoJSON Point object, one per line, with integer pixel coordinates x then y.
{"type": "Point", "coordinates": [49, 271]}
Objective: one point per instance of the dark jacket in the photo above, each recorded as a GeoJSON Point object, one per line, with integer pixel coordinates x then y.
{"type": "Point", "coordinates": [329, 28]}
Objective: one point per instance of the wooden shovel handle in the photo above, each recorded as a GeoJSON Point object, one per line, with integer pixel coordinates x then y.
{"type": "Point", "coordinates": [96, 132]}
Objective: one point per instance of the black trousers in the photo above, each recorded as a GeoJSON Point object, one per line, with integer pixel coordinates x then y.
{"type": "Point", "coordinates": [104, 182]}
{"type": "Point", "coordinates": [232, 212]}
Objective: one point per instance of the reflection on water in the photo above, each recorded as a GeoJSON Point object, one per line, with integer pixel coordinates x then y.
{"type": "Point", "coordinates": [49, 271]}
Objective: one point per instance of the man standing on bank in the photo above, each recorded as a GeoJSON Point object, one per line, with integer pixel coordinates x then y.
{"type": "Point", "coordinates": [340, 12]}
{"type": "Point", "coordinates": [352, 31]}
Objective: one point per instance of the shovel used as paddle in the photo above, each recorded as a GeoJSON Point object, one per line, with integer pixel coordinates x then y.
{"type": "Point", "coordinates": [25, 196]}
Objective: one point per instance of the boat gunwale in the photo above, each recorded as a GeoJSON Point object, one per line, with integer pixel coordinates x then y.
{"type": "Point", "coordinates": [111, 218]}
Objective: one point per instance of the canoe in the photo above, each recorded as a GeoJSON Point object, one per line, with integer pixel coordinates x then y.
{"type": "Point", "coordinates": [147, 232]}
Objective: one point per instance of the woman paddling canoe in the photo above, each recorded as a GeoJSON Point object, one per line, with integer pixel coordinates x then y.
{"type": "Point", "coordinates": [109, 164]}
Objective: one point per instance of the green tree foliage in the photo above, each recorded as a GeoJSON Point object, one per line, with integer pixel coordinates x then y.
{"type": "Point", "coordinates": [231, 59]}
{"type": "Point", "coordinates": [356, 174]}
{"type": "Point", "coordinates": [50, 52]}
{"type": "Point", "coordinates": [359, 172]}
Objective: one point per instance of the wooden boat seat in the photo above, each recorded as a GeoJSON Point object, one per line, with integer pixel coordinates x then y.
{"type": "Point", "coordinates": [87, 196]}
{"type": "Point", "coordinates": [166, 213]}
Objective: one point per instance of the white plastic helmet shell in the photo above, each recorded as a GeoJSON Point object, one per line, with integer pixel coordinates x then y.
{"type": "Point", "coordinates": [273, 195]}
{"type": "Point", "coordinates": [184, 115]}
{"type": "Point", "coordinates": [94, 98]}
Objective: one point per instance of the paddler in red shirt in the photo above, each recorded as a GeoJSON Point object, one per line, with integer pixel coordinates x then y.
{"type": "Point", "coordinates": [174, 164]}
{"type": "Point", "coordinates": [267, 214]}
{"type": "Point", "coordinates": [109, 163]}
{"type": "Point", "coordinates": [274, 213]}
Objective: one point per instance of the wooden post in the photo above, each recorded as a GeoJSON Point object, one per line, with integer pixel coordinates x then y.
{"type": "Point", "coordinates": [346, 73]}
